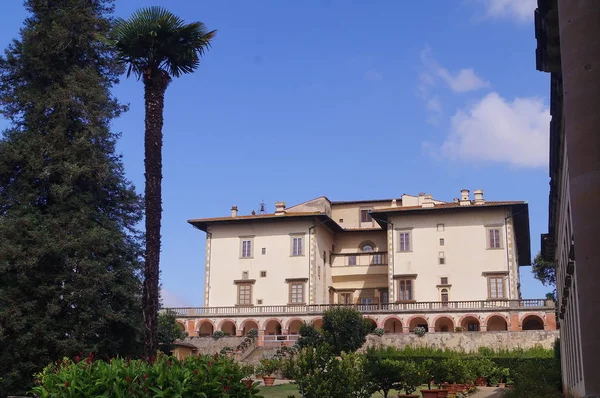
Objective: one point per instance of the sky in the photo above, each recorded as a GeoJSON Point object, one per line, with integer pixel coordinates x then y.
{"type": "Point", "coordinates": [348, 99]}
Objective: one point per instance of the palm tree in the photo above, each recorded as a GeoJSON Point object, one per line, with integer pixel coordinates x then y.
{"type": "Point", "coordinates": [157, 46]}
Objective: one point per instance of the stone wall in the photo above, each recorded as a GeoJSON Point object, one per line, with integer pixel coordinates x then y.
{"type": "Point", "coordinates": [208, 345]}
{"type": "Point", "coordinates": [468, 341]}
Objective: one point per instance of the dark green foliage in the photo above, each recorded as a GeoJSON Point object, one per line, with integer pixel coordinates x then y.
{"type": "Point", "coordinates": [69, 250]}
{"type": "Point", "coordinates": [345, 329]}
{"type": "Point", "coordinates": [169, 331]}
{"type": "Point", "coordinates": [309, 336]}
{"type": "Point", "coordinates": [384, 373]}
{"type": "Point", "coordinates": [544, 271]}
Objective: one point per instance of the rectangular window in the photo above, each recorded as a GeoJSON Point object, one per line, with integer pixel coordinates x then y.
{"type": "Point", "coordinates": [405, 289]}
{"type": "Point", "coordinates": [344, 298]}
{"type": "Point", "coordinates": [259, 302]}
{"type": "Point", "coordinates": [384, 296]}
{"type": "Point", "coordinates": [263, 274]}
{"type": "Point", "coordinates": [441, 258]}
{"type": "Point", "coordinates": [244, 274]}
{"type": "Point", "coordinates": [377, 259]}
{"type": "Point", "coordinates": [496, 287]}
{"type": "Point", "coordinates": [297, 293]}
{"type": "Point", "coordinates": [444, 280]}
{"type": "Point", "coordinates": [366, 300]}
{"type": "Point", "coordinates": [244, 294]}
{"type": "Point", "coordinates": [264, 251]}
{"type": "Point", "coordinates": [440, 227]}
{"type": "Point", "coordinates": [246, 248]}
{"type": "Point", "coordinates": [473, 327]}
{"type": "Point", "coordinates": [351, 260]}
{"type": "Point", "coordinates": [494, 238]}
{"type": "Point", "coordinates": [442, 242]}
{"type": "Point", "coordinates": [297, 246]}
{"type": "Point", "coordinates": [365, 216]}
{"type": "Point", "coordinates": [404, 244]}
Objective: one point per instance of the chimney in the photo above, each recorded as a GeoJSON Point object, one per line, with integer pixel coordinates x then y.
{"type": "Point", "coordinates": [394, 203]}
{"type": "Point", "coordinates": [464, 197]}
{"type": "Point", "coordinates": [478, 197]}
{"type": "Point", "coordinates": [279, 208]}
{"type": "Point", "coordinates": [428, 201]}
{"type": "Point", "coordinates": [455, 200]}
{"type": "Point", "coordinates": [233, 211]}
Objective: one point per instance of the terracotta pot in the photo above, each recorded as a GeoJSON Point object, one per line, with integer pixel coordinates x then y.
{"type": "Point", "coordinates": [501, 385]}
{"type": "Point", "coordinates": [408, 396]}
{"type": "Point", "coordinates": [452, 388]}
{"type": "Point", "coordinates": [442, 393]}
{"type": "Point", "coordinates": [269, 380]}
{"type": "Point", "coordinates": [481, 381]}
{"type": "Point", "coordinates": [430, 393]}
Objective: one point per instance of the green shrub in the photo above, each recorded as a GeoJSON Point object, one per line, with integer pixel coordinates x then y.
{"type": "Point", "coordinates": [378, 332]}
{"type": "Point", "coordinates": [218, 334]}
{"type": "Point", "coordinates": [419, 331]}
{"type": "Point", "coordinates": [384, 374]}
{"type": "Point", "coordinates": [207, 376]}
{"type": "Point", "coordinates": [345, 329]}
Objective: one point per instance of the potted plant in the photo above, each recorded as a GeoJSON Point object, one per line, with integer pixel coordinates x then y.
{"type": "Point", "coordinates": [504, 373]}
{"type": "Point", "coordinates": [268, 367]}
{"type": "Point", "coordinates": [430, 370]}
{"type": "Point", "coordinates": [248, 371]}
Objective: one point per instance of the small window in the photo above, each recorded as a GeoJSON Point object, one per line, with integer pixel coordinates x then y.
{"type": "Point", "coordinates": [319, 272]}
{"type": "Point", "coordinates": [441, 258]}
{"type": "Point", "coordinates": [440, 227]}
{"type": "Point", "coordinates": [384, 296]}
{"type": "Point", "coordinates": [263, 274]}
{"type": "Point", "coordinates": [405, 289]}
{"type": "Point", "coordinates": [245, 274]}
{"type": "Point", "coordinates": [365, 216]}
{"type": "Point", "coordinates": [496, 288]}
{"type": "Point", "coordinates": [244, 294]}
{"type": "Point", "coordinates": [377, 259]}
{"type": "Point", "coordinates": [297, 246]}
{"type": "Point", "coordinates": [442, 242]}
{"type": "Point", "coordinates": [472, 327]}
{"type": "Point", "coordinates": [259, 302]}
{"type": "Point", "coordinates": [297, 293]}
{"type": "Point", "coordinates": [366, 300]}
{"type": "Point", "coordinates": [367, 248]}
{"type": "Point", "coordinates": [404, 244]}
{"type": "Point", "coordinates": [494, 238]}
{"type": "Point", "coordinates": [444, 280]}
{"type": "Point", "coordinates": [351, 260]}
{"type": "Point", "coordinates": [444, 296]}
{"type": "Point", "coordinates": [341, 220]}
{"type": "Point", "coordinates": [246, 249]}
{"type": "Point", "coordinates": [324, 257]}
{"type": "Point", "coordinates": [264, 251]}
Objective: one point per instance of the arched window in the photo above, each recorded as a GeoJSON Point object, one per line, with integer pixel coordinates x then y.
{"type": "Point", "coordinates": [367, 246]}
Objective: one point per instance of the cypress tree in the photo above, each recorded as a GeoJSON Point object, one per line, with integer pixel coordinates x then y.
{"type": "Point", "coordinates": [70, 253]}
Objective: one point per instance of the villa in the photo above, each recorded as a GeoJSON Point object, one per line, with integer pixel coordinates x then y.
{"type": "Point", "coordinates": [403, 262]}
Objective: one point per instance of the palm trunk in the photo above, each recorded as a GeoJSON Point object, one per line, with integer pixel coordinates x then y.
{"type": "Point", "coordinates": [580, 58]}
{"type": "Point", "coordinates": [155, 85]}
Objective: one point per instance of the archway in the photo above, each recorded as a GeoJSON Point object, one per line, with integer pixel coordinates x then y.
{"type": "Point", "coordinates": [206, 329]}
{"type": "Point", "coordinates": [496, 323]}
{"type": "Point", "coordinates": [470, 324]}
{"type": "Point", "coordinates": [444, 324]}
{"type": "Point", "coordinates": [532, 322]}
{"type": "Point", "coordinates": [248, 325]}
{"type": "Point", "coordinates": [272, 327]}
{"type": "Point", "coordinates": [294, 326]}
{"type": "Point", "coordinates": [317, 323]}
{"type": "Point", "coordinates": [228, 327]}
{"type": "Point", "coordinates": [181, 326]}
{"type": "Point", "coordinates": [372, 323]}
{"type": "Point", "coordinates": [392, 325]}
{"type": "Point", "coordinates": [417, 321]}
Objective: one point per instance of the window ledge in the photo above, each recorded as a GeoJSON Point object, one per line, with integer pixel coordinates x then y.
{"type": "Point", "coordinates": [406, 301]}
{"type": "Point", "coordinates": [242, 281]}
{"type": "Point", "coordinates": [303, 303]}
{"type": "Point", "coordinates": [245, 305]}
{"type": "Point", "coordinates": [246, 258]}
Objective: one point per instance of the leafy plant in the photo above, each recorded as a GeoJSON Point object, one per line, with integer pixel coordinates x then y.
{"type": "Point", "coordinates": [419, 331]}
{"type": "Point", "coordinates": [459, 329]}
{"type": "Point", "coordinates": [384, 374]}
{"type": "Point", "coordinates": [169, 331]}
{"type": "Point", "coordinates": [217, 334]}
{"type": "Point", "coordinates": [269, 366]}
{"type": "Point", "coordinates": [345, 329]}
{"type": "Point", "coordinates": [378, 332]}
{"type": "Point", "coordinates": [411, 377]}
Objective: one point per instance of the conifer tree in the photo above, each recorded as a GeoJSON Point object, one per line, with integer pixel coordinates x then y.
{"type": "Point", "coordinates": [70, 254]}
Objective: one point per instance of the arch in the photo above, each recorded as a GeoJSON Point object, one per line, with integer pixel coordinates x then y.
{"type": "Point", "coordinates": [443, 324]}
{"type": "Point", "coordinates": [366, 244]}
{"type": "Point", "coordinates": [227, 326]}
{"type": "Point", "coordinates": [469, 323]}
{"type": "Point", "coordinates": [417, 320]}
{"type": "Point", "coordinates": [247, 325]}
{"type": "Point", "coordinates": [272, 326]}
{"type": "Point", "coordinates": [205, 328]}
{"type": "Point", "coordinates": [181, 325]}
{"type": "Point", "coordinates": [392, 324]}
{"type": "Point", "coordinates": [289, 322]}
{"type": "Point", "coordinates": [496, 323]}
{"type": "Point", "coordinates": [532, 322]}
{"type": "Point", "coordinates": [372, 321]}
{"type": "Point", "coordinates": [317, 323]}
{"type": "Point", "coordinates": [293, 325]}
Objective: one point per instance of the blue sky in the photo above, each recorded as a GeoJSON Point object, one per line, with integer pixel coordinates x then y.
{"type": "Point", "coordinates": [352, 100]}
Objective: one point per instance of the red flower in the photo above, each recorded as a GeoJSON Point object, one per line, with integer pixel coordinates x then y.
{"type": "Point", "coordinates": [66, 384]}
{"type": "Point", "coordinates": [128, 379]}
{"type": "Point", "coordinates": [227, 388]}
{"type": "Point", "coordinates": [208, 364]}
{"type": "Point", "coordinates": [195, 371]}
{"type": "Point", "coordinates": [77, 359]}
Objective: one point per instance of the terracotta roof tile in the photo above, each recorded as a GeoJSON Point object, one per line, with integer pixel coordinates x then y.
{"type": "Point", "coordinates": [257, 216]}
{"type": "Point", "coordinates": [449, 206]}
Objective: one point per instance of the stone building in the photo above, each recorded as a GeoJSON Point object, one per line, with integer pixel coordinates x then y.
{"type": "Point", "coordinates": [403, 262]}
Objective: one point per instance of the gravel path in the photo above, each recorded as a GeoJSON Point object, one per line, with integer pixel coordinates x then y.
{"type": "Point", "coordinates": [488, 392]}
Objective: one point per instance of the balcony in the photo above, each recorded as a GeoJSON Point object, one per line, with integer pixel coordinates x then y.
{"type": "Point", "coordinates": [417, 307]}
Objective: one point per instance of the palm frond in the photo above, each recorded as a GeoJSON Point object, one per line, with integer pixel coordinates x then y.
{"type": "Point", "coordinates": [156, 39]}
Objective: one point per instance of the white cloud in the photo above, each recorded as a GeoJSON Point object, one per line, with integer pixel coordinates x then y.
{"type": "Point", "coordinates": [462, 81]}
{"type": "Point", "coordinates": [172, 300]}
{"type": "Point", "coordinates": [497, 130]}
{"type": "Point", "coordinates": [520, 10]}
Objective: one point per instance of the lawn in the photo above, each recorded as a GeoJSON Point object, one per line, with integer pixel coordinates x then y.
{"type": "Point", "coordinates": [285, 390]}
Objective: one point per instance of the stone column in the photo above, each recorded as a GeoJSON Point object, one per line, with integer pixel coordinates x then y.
{"type": "Point", "coordinates": [579, 25]}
